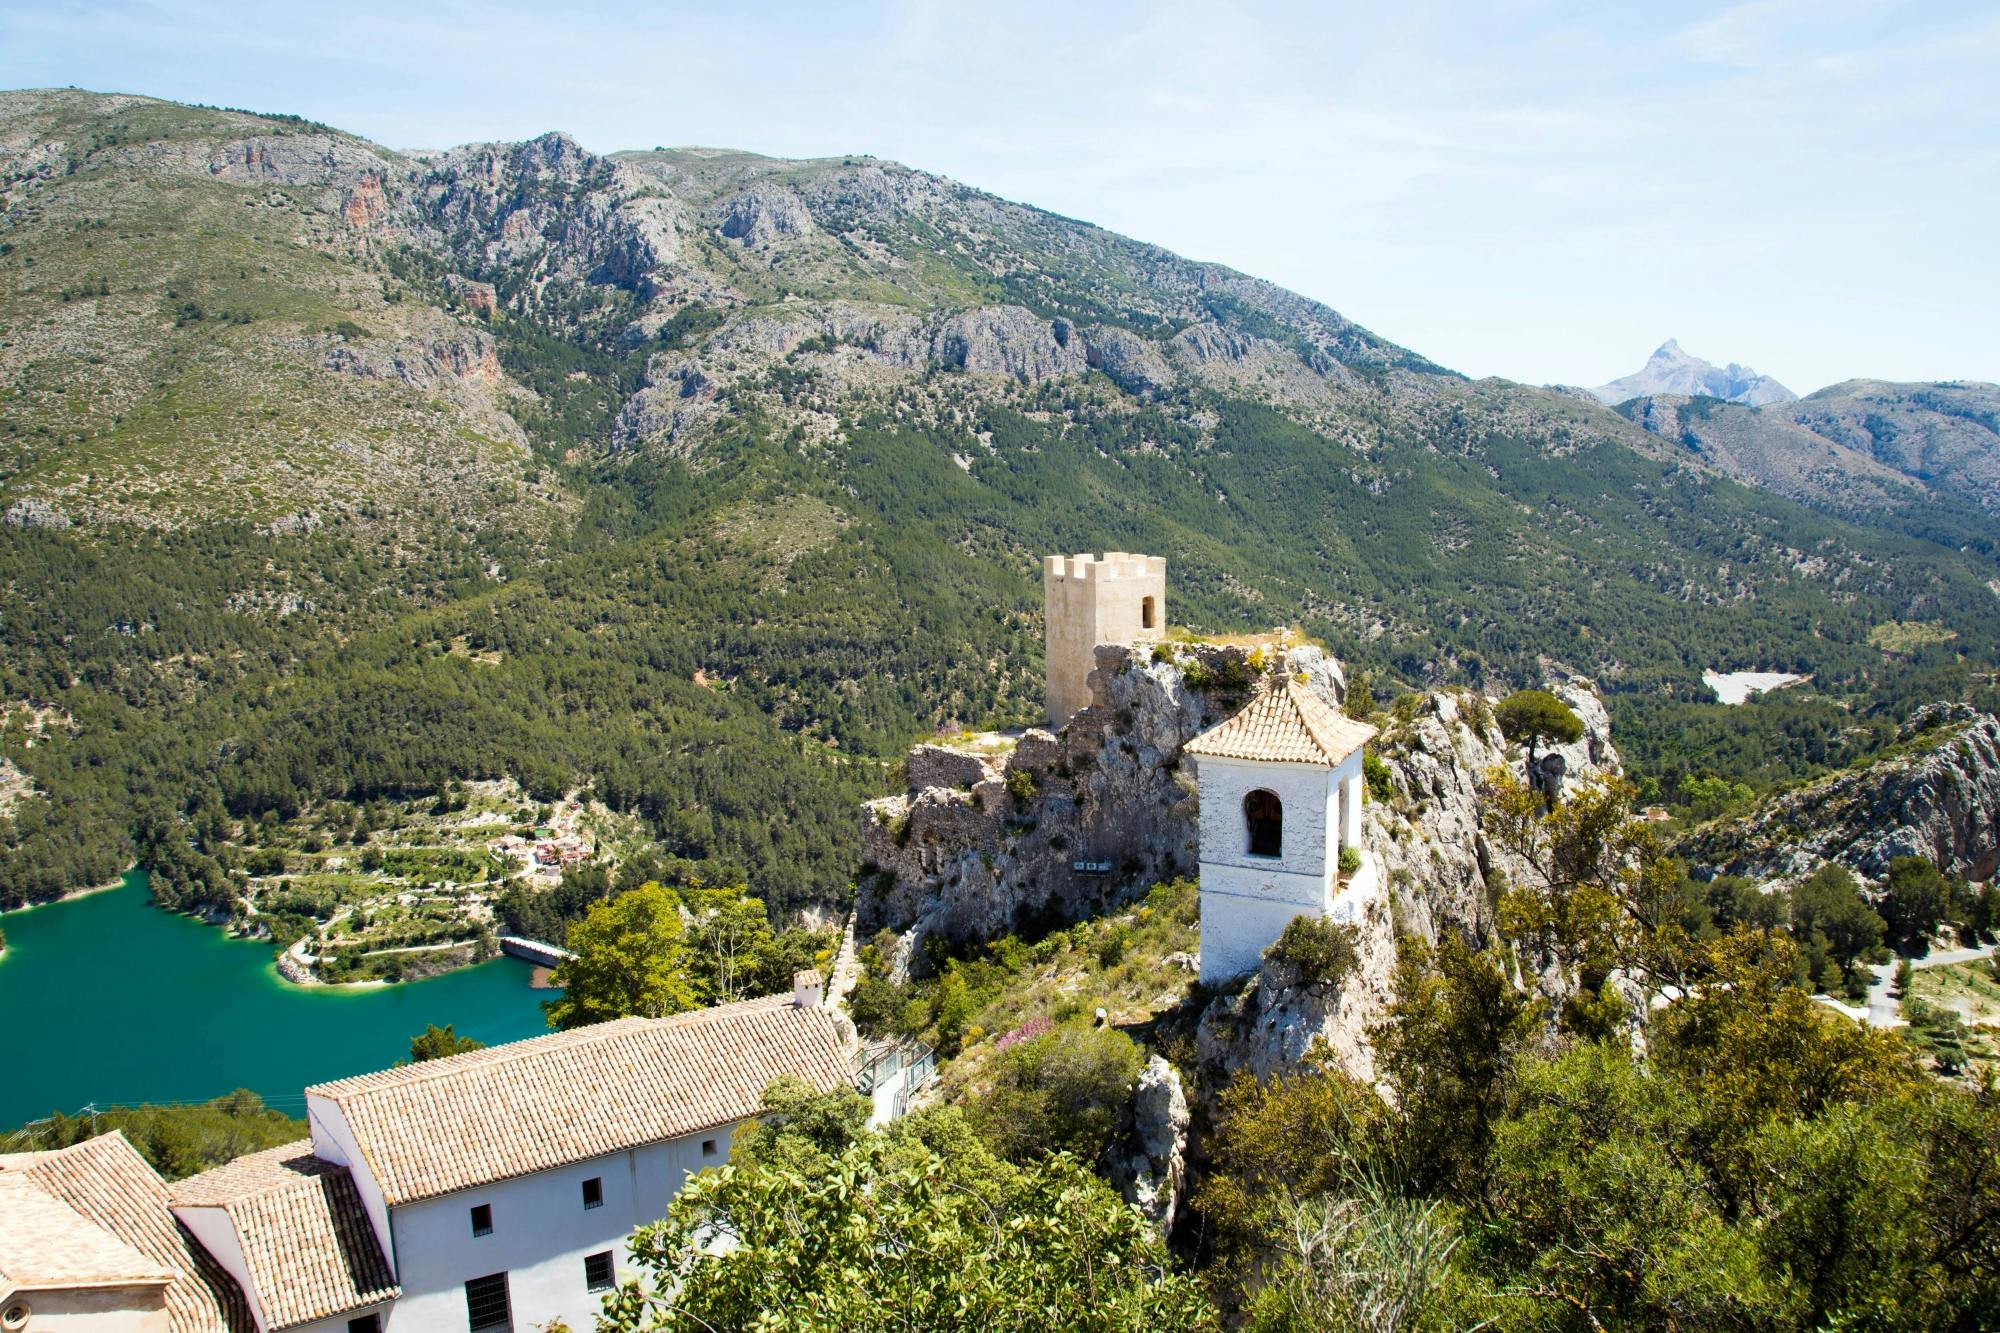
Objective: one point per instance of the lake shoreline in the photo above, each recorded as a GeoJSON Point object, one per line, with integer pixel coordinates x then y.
{"type": "Point", "coordinates": [179, 1011]}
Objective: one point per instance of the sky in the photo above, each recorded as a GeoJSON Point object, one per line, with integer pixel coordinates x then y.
{"type": "Point", "coordinates": [1539, 189]}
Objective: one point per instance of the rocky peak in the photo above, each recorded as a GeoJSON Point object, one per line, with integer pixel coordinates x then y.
{"type": "Point", "coordinates": [1671, 370]}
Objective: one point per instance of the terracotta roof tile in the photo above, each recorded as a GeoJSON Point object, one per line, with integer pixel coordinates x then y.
{"type": "Point", "coordinates": [443, 1125]}
{"type": "Point", "coordinates": [45, 1244]}
{"type": "Point", "coordinates": [1286, 723]}
{"type": "Point", "coordinates": [106, 1181]}
{"type": "Point", "coordinates": [307, 1241]}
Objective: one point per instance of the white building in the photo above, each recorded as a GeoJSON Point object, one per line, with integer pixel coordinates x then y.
{"type": "Point", "coordinates": [1280, 799]}
{"type": "Point", "coordinates": [496, 1189]}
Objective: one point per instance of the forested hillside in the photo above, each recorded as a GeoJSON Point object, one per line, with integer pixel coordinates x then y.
{"type": "Point", "coordinates": [709, 480]}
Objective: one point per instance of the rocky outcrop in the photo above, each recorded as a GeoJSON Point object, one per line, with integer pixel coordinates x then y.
{"type": "Point", "coordinates": [1275, 1020]}
{"type": "Point", "coordinates": [1429, 837]}
{"type": "Point", "coordinates": [1940, 801]}
{"type": "Point", "coordinates": [1134, 364]}
{"type": "Point", "coordinates": [764, 214]}
{"type": "Point", "coordinates": [1007, 340]}
{"type": "Point", "coordinates": [33, 513]}
{"type": "Point", "coordinates": [1048, 828]}
{"type": "Point", "coordinates": [1434, 864]}
{"type": "Point", "coordinates": [1152, 1173]}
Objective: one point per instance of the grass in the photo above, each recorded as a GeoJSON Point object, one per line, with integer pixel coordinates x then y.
{"type": "Point", "coordinates": [1907, 636]}
{"type": "Point", "coordinates": [1971, 990]}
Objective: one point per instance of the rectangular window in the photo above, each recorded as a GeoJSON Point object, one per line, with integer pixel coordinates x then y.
{"type": "Point", "coordinates": [597, 1274]}
{"type": "Point", "coordinates": [708, 1147]}
{"type": "Point", "coordinates": [367, 1323]}
{"type": "Point", "coordinates": [486, 1303]}
{"type": "Point", "coordinates": [482, 1219]}
{"type": "Point", "coordinates": [593, 1192]}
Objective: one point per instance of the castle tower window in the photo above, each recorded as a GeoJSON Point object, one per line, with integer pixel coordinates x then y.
{"type": "Point", "coordinates": [1264, 822]}
{"type": "Point", "coordinates": [1146, 614]}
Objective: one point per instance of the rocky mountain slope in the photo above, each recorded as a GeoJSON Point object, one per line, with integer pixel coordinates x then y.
{"type": "Point", "coordinates": [1860, 446]}
{"type": "Point", "coordinates": [373, 469]}
{"type": "Point", "coordinates": [1673, 371]}
{"type": "Point", "coordinates": [1939, 798]}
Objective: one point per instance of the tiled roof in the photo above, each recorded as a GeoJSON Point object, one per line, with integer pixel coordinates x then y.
{"type": "Point", "coordinates": [45, 1243]}
{"type": "Point", "coordinates": [106, 1181]}
{"type": "Point", "coordinates": [443, 1125]}
{"type": "Point", "coordinates": [307, 1243]}
{"type": "Point", "coordinates": [1286, 724]}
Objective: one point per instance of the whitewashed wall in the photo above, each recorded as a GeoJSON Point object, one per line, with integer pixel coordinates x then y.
{"type": "Point", "coordinates": [541, 1233]}
{"type": "Point", "coordinates": [1247, 901]}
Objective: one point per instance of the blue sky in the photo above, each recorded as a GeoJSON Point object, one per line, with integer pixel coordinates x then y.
{"type": "Point", "coordinates": [1531, 188]}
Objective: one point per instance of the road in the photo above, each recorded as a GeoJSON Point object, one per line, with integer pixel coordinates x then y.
{"type": "Point", "coordinates": [1884, 1009]}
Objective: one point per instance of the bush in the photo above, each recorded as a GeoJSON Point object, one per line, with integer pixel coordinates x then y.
{"type": "Point", "coordinates": [1064, 1091]}
{"type": "Point", "coordinates": [1917, 901]}
{"type": "Point", "coordinates": [1321, 952]}
{"type": "Point", "coordinates": [1375, 772]}
{"type": "Point", "coordinates": [1350, 859]}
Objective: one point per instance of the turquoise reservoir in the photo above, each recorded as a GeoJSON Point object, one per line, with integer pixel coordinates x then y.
{"type": "Point", "coordinates": [108, 999]}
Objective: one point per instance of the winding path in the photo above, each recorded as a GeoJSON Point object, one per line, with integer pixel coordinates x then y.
{"type": "Point", "coordinates": [1884, 1009]}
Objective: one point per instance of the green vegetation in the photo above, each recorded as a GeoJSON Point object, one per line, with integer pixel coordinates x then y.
{"type": "Point", "coordinates": [1535, 718]}
{"type": "Point", "coordinates": [1766, 1164]}
{"type": "Point", "coordinates": [1319, 951]}
{"type": "Point", "coordinates": [435, 1043]}
{"type": "Point", "coordinates": [839, 1227]}
{"type": "Point", "coordinates": [653, 950]}
{"type": "Point", "coordinates": [631, 960]}
{"type": "Point", "coordinates": [178, 1140]}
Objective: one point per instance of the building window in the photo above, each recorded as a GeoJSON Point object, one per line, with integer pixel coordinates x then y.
{"type": "Point", "coordinates": [1146, 614]}
{"type": "Point", "coordinates": [597, 1274]}
{"type": "Point", "coordinates": [486, 1303]}
{"type": "Point", "coordinates": [593, 1192]}
{"type": "Point", "coordinates": [482, 1219]}
{"type": "Point", "coordinates": [1264, 822]}
{"type": "Point", "coordinates": [708, 1147]}
{"type": "Point", "coordinates": [367, 1323]}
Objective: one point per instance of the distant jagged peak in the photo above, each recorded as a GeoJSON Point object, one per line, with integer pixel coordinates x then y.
{"type": "Point", "coordinates": [1671, 370]}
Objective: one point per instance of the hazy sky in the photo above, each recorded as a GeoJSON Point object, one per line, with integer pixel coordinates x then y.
{"type": "Point", "coordinates": [1533, 188]}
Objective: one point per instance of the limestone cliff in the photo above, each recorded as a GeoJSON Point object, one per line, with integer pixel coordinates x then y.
{"type": "Point", "coordinates": [998, 834]}
{"type": "Point", "coordinates": [1939, 800]}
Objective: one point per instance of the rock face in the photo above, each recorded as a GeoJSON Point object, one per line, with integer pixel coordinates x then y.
{"type": "Point", "coordinates": [1941, 802]}
{"type": "Point", "coordinates": [1670, 370]}
{"type": "Point", "coordinates": [1152, 1173]}
{"type": "Point", "coordinates": [1061, 826]}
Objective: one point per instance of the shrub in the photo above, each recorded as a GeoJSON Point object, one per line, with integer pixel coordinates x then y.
{"type": "Point", "coordinates": [1321, 952]}
{"type": "Point", "coordinates": [1375, 772]}
{"type": "Point", "coordinates": [1535, 717]}
{"type": "Point", "coordinates": [1350, 859]}
{"type": "Point", "coordinates": [1063, 1091]}
{"type": "Point", "coordinates": [1021, 786]}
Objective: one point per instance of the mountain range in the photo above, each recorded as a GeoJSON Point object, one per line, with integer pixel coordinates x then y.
{"type": "Point", "coordinates": [332, 472]}
{"type": "Point", "coordinates": [1671, 370]}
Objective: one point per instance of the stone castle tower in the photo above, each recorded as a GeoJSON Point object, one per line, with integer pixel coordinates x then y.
{"type": "Point", "coordinates": [1087, 600]}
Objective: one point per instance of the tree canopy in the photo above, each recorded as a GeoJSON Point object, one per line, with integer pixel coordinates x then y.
{"type": "Point", "coordinates": [631, 959]}
{"type": "Point", "coordinates": [830, 1226]}
{"type": "Point", "coordinates": [1536, 717]}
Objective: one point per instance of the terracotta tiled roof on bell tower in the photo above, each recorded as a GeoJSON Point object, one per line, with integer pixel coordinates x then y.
{"type": "Point", "coordinates": [1285, 723]}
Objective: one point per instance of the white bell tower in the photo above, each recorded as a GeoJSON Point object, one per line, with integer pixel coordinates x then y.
{"type": "Point", "coordinates": [1280, 798]}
